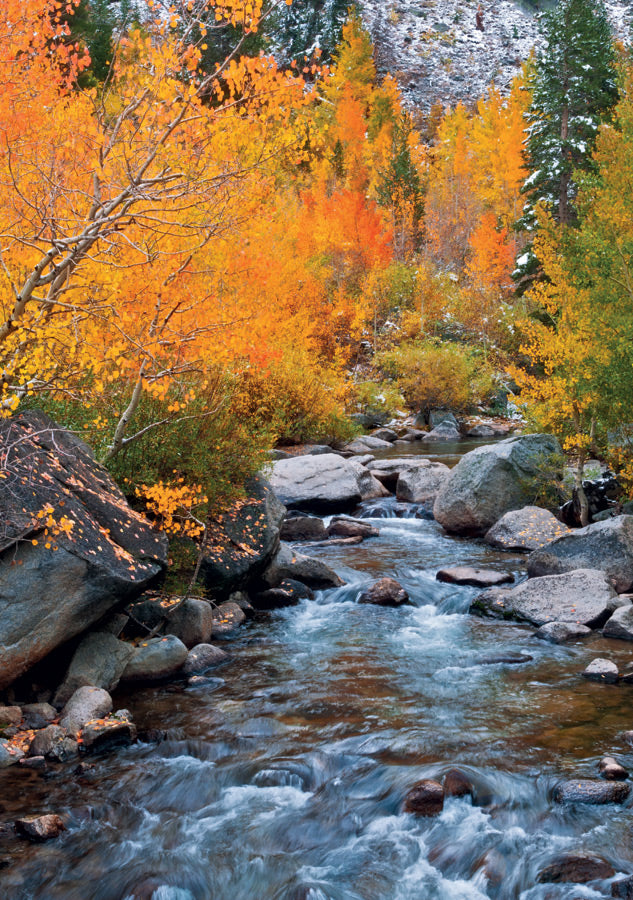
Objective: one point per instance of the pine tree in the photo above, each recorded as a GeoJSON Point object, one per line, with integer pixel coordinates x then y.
{"type": "Point", "coordinates": [573, 84]}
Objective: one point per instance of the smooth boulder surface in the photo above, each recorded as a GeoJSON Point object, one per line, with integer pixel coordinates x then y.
{"type": "Point", "coordinates": [345, 528]}
{"type": "Point", "coordinates": [54, 589]}
{"type": "Point", "coordinates": [561, 632]}
{"type": "Point", "coordinates": [287, 593]}
{"type": "Point", "coordinates": [587, 790]}
{"type": "Point", "coordinates": [288, 565]}
{"type": "Point", "coordinates": [469, 575]}
{"type": "Point", "coordinates": [85, 704]}
{"type": "Point", "coordinates": [602, 670]}
{"type": "Point", "coordinates": [604, 545]}
{"type": "Point", "coordinates": [490, 481]}
{"type": "Point", "coordinates": [611, 769]}
{"type": "Point", "coordinates": [583, 597]}
{"type": "Point", "coordinates": [99, 660]}
{"type": "Point", "coordinates": [227, 618]}
{"type": "Point", "coordinates": [156, 659]}
{"type": "Point", "coordinates": [245, 537]}
{"type": "Point", "coordinates": [529, 528]}
{"type": "Point", "coordinates": [322, 484]}
{"type": "Point", "coordinates": [106, 734]}
{"type": "Point", "coordinates": [40, 828]}
{"type": "Point", "coordinates": [422, 483]}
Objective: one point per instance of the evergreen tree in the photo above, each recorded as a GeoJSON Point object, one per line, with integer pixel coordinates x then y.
{"type": "Point", "coordinates": [307, 24]}
{"type": "Point", "coordinates": [573, 84]}
{"type": "Point", "coordinates": [400, 190]}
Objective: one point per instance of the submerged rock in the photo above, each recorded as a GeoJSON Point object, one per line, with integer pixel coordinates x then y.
{"type": "Point", "coordinates": [425, 798]}
{"type": "Point", "coordinates": [40, 828]}
{"type": "Point", "coordinates": [458, 784]}
{"type": "Point", "coordinates": [611, 769]}
{"type": "Point", "coordinates": [576, 868]}
{"type": "Point", "coordinates": [490, 481]}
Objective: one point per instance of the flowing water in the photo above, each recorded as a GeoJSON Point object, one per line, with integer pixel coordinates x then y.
{"type": "Point", "coordinates": [282, 777]}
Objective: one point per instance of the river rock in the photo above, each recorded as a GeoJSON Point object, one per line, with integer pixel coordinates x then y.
{"type": "Point", "coordinates": [620, 625]}
{"type": "Point", "coordinates": [246, 537]}
{"type": "Point", "coordinates": [287, 593]}
{"type": "Point", "coordinates": [458, 784]}
{"type": "Point", "coordinates": [425, 798]}
{"type": "Point", "coordinates": [297, 567]}
{"type": "Point", "coordinates": [439, 417]}
{"type": "Point", "coordinates": [385, 592]}
{"type": "Point", "coordinates": [9, 754]}
{"type": "Point", "coordinates": [106, 734]}
{"type": "Point", "coordinates": [490, 481]}
{"type": "Point", "coordinates": [156, 659]}
{"type": "Point", "coordinates": [468, 575]}
{"type": "Point", "coordinates": [370, 488]}
{"type": "Point", "coordinates": [607, 546]}
{"type": "Point", "coordinates": [443, 432]}
{"type": "Point", "coordinates": [611, 769]}
{"type": "Point", "coordinates": [10, 717]}
{"type": "Point", "coordinates": [577, 868]}
{"type": "Point", "coordinates": [99, 660]}
{"type": "Point", "coordinates": [388, 471]}
{"type": "Point", "coordinates": [480, 431]}
{"type": "Point", "coordinates": [583, 597]}
{"type": "Point", "coordinates": [203, 657]}
{"type": "Point", "coordinates": [85, 704]}
{"type": "Point", "coordinates": [385, 434]}
{"type": "Point", "coordinates": [325, 483]}
{"type": "Point", "coordinates": [297, 527]}
{"type": "Point", "coordinates": [227, 618]}
{"type": "Point", "coordinates": [422, 483]}
{"type": "Point", "coordinates": [366, 444]}
{"type": "Point", "coordinates": [623, 888]}
{"type": "Point", "coordinates": [602, 670]}
{"type": "Point", "coordinates": [53, 742]}
{"type": "Point", "coordinates": [351, 528]}
{"type": "Point", "coordinates": [40, 828]}
{"type": "Point", "coordinates": [587, 790]}
{"type": "Point", "coordinates": [52, 590]}
{"type": "Point", "coordinates": [529, 528]}
{"type": "Point", "coordinates": [38, 715]}
{"type": "Point", "coordinates": [561, 632]}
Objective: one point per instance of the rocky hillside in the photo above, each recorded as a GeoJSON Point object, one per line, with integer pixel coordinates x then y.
{"type": "Point", "coordinates": [450, 50]}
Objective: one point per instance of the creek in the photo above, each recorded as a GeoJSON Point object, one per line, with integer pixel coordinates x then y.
{"type": "Point", "coordinates": [282, 776]}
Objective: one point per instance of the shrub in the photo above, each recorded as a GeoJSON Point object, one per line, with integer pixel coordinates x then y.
{"type": "Point", "coordinates": [436, 375]}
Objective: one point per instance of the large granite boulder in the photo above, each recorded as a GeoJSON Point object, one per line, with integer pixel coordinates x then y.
{"type": "Point", "coordinates": [322, 484]}
{"type": "Point", "coordinates": [490, 481]}
{"type": "Point", "coordinates": [529, 528]}
{"type": "Point", "coordinates": [244, 539]}
{"type": "Point", "coordinates": [422, 483]}
{"type": "Point", "coordinates": [583, 597]}
{"type": "Point", "coordinates": [57, 579]}
{"type": "Point", "coordinates": [607, 546]}
{"type": "Point", "coordinates": [370, 488]}
{"type": "Point", "coordinates": [390, 471]}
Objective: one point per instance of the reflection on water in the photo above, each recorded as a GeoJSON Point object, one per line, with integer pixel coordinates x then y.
{"type": "Point", "coordinates": [285, 782]}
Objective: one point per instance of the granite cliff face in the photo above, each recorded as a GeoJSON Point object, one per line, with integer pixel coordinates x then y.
{"type": "Point", "coordinates": [451, 50]}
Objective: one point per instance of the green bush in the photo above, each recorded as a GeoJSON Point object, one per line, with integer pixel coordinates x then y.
{"type": "Point", "coordinates": [438, 375]}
